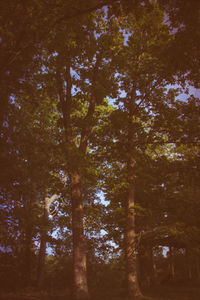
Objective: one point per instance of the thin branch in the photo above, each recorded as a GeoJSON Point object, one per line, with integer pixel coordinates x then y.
{"type": "Point", "coordinates": [65, 17]}
{"type": "Point", "coordinates": [79, 13]}
{"type": "Point", "coordinates": [86, 131]}
{"type": "Point", "coordinates": [65, 100]}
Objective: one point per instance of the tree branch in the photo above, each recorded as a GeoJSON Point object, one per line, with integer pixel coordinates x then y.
{"type": "Point", "coordinates": [86, 131]}
{"type": "Point", "coordinates": [65, 100]}
{"type": "Point", "coordinates": [79, 13]}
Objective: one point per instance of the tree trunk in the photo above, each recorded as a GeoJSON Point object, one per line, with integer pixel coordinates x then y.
{"type": "Point", "coordinates": [147, 267]}
{"type": "Point", "coordinates": [42, 254]}
{"type": "Point", "coordinates": [131, 257]}
{"type": "Point", "coordinates": [188, 264]}
{"type": "Point", "coordinates": [41, 264]}
{"type": "Point", "coordinates": [28, 243]}
{"type": "Point", "coordinates": [4, 102]}
{"type": "Point", "coordinates": [197, 268]}
{"type": "Point", "coordinates": [155, 274]}
{"type": "Point", "coordinates": [172, 267]}
{"type": "Point", "coordinates": [28, 254]}
{"type": "Point", "coordinates": [130, 245]}
{"type": "Point", "coordinates": [80, 288]}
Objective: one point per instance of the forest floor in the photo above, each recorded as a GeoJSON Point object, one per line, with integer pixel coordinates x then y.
{"type": "Point", "coordinates": [154, 293]}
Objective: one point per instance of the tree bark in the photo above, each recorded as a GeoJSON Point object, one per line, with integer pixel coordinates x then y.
{"type": "Point", "coordinates": [131, 256]}
{"type": "Point", "coordinates": [188, 262]}
{"type": "Point", "coordinates": [130, 245]}
{"type": "Point", "coordinates": [155, 273]}
{"type": "Point", "coordinates": [4, 103]}
{"type": "Point", "coordinates": [28, 254]}
{"type": "Point", "coordinates": [28, 246]}
{"type": "Point", "coordinates": [80, 287]}
{"type": "Point", "coordinates": [172, 267]}
{"type": "Point", "coordinates": [41, 263]}
{"type": "Point", "coordinates": [42, 254]}
{"type": "Point", "coordinates": [197, 268]}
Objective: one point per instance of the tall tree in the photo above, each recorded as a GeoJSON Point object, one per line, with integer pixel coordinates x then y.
{"type": "Point", "coordinates": [80, 66]}
{"type": "Point", "coordinates": [143, 77]}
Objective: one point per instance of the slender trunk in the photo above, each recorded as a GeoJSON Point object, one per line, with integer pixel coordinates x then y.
{"type": "Point", "coordinates": [130, 248]}
{"type": "Point", "coordinates": [80, 288]}
{"type": "Point", "coordinates": [41, 264]}
{"type": "Point", "coordinates": [197, 268]}
{"type": "Point", "coordinates": [42, 254]}
{"type": "Point", "coordinates": [147, 266]}
{"type": "Point", "coordinates": [172, 267]}
{"type": "Point", "coordinates": [188, 262]}
{"type": "Point", "coordinates": [131, 257]}
{"type": "Point", "coordinates": [4, 106]}
{"type": "Point", "coordinates": [142, 273]}
{"type": "Point", "coordinates": [27, 260]}
{"type": "Point", "coordinates": [155, 274]}
{"type": "Point", "coordinates": [189, 271]}
{"type": "Point", "coordinates": [28, 254]}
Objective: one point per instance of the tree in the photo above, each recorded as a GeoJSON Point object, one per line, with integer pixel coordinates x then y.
{"type": "Point", "coordinates": [143, 151]}
{"type": "Point", "coordinates": [142, 81]}
{"type": "Point", "coordinates": [79, 95]}
{"type": "Point", "coordinates": [24, 28]}
{"type": "Point", "coordinates": [183, 18]}
{"type": "Point", "coordinates": [29, 164]}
